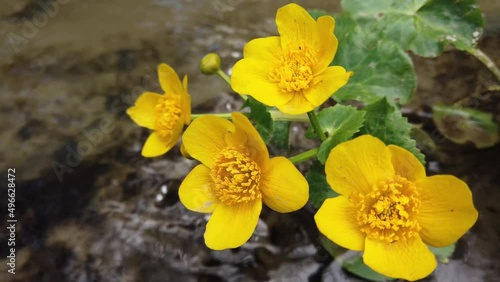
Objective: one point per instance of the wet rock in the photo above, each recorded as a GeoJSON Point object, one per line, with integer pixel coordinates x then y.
{"type": "Point", "coordinates": [15, 8]}
{"type": "Point", "coordinates": [458, 271]}
{"type": "Point", "coordinates": [299, 270]}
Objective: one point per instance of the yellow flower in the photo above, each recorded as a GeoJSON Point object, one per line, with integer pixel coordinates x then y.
{"type": "Point", "coordinates": [235, 177]}
{"type": "Point", "coordinates": [389, 208]}
{"type": "Point", "coordinates": [291, 71]}
{"type": "Point", "coordinates": [164, 114]}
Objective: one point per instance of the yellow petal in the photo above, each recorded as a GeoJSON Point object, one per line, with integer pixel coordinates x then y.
{"type": "Point", "coordinates": [196, 192]}
{"type": "Point", "coordinates": [446, 211]}
{"type": "Point", "coordinates": [251, 75]}
{"type": "Point", "coordinates": [185, 83]}
{"type": "Point", "coordinates": [267, 49]}
{"type": "Point", "coordinates": [336, 219]}
{"type": "Point", "coordinates": [326, 84]}
{"type": "Point", "coordinates": [407, 259]}
{"type": "Point", "coordinates": [143, 111]}
{"type": "Point", "coordinates": [186, 109]}
{"type": "Point", "coordinates": [246, 136]}
{"type": "Point", "coordinates": [297, 105]}
{"type": "Point", "coordinates": [325, 43]}
{"type": "Point", "coordinates": [231, 226]}
{"type": "Point", "coordinates": [186, 102]}
{"type": "Point", "coordinates": [406, 164]}
{"type": "Point", "coordinates": [295, 25]}
{"type": "Point", "coordinates": [357, 165]}
{"type": "Point", "coordinates": [283, 187]}
{"type": "Point", "coordinates": [156, 146]}
{"type": "Point", "coordinates": [184, 153]}
{"type": "Point", "coordinates": [205, 138]}
{"type": "Point", "coordinates": [169, 80]}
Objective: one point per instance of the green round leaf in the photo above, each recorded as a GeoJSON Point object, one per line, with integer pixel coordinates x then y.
{"type": "Point", "coordinates": [461, 125]}
{"type": "Point", "coordinates": [381, 68]}
{"type": "Point", "coordinates": [385, 122]}
{"type": "Point", "coordinates": [422, 26]}
{"type": "Point", "coordinates": [339, 123]}
{"type": "Point", "coordinates": [357, 267]}
{"type": "Point", "coordinates": [443, 254]}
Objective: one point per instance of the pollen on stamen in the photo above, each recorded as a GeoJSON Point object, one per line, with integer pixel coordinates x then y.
{"type": "Point", "coordinates": [388, 212]}
{"type": "Point", "coordinates": [236, 177]}
{"type": "Point", "coordinates": [295, 70]}
{"type": "Point", "coordinates": [167, 112]}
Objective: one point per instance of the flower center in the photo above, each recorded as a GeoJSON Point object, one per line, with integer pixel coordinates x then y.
{"type": "Point", "coordinates": [168, 113]}
{"type": "Point", "coordinates": [236, 177]}
{"type": "Point", "coordinates": [388, 212]}
{"type": "Point", "coordinates": [294, 72]}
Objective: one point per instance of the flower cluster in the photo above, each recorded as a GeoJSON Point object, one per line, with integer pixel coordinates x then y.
{"type": "Point", "coordinates": [387, 206]}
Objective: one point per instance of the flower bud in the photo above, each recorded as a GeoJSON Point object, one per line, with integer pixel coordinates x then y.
{"type": "Point", "coordinates": [210, 64]}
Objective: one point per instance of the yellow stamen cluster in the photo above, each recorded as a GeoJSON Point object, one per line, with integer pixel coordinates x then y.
{"type": "Point", "coordinates": [388, 212]}
{"type": "Point", "coordinates": [236, 177]}
{"type": "Point", "coordinates": [168, 112]}
{"type": "Point", "coordinates": [294, 73]}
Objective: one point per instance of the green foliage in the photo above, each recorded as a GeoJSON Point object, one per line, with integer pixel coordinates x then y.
{"type": "Point", "coordinates": [385, 122]}
{"type": "Point", "coordinates": [461, 125]}
{"type": "Point", "coordinates": [333, 249]}
{"type": "Point", "coordinates": [262, 118]}
{"type": "Point", "coordinates": [424, 141]}
{"type": "Point", "coordinates": [357, 267]}
{"type": "Point", "coordinates": [422, 26]}
{"type": "Point", "coordinates": [381, 68]}
{"type": "Point", "coordinates": [274, 133]}
{"type": "Point", "coordinates": [319, 190]}
{"type": "Point", "coordinates": [280, 139]}
{"type": "Point", "coordinates": [443, 254]}
{"type": "Point", "coordinates": [340, 123]}
{"type": "Point", "coordinates": [315, 13]}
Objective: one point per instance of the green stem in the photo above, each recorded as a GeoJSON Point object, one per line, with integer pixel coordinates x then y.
{"type": "Point", "coordinates": [315, 124]}
{"type": "Point", "coordinates": [304, 156]}
{"type": "Point", "coordinates": [226, 78]}
{"type": "Point", "coordinates": [221, 115]}
{"type": "Point", "coordinates": [279, 116]}
{"type": "Point", "coordinates": [275, 115]}
{"type": "Point", "coordinates": [487, 61]}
